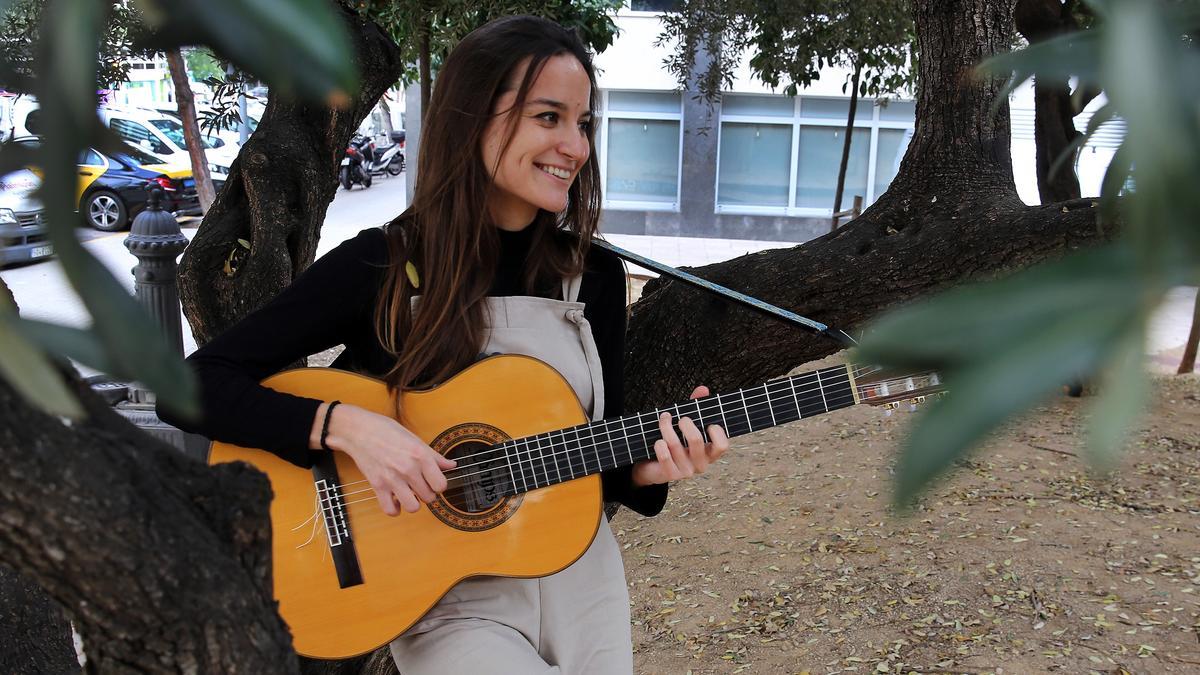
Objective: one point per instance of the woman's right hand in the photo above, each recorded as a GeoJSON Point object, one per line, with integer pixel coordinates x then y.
{"type": "Point", "coordinates": [400, 467]}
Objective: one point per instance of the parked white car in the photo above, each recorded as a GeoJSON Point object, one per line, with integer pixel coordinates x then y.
{"type": "Point", "coordinates": [162, 135]}
{"type": "Point", "coordinates": [23, 236]}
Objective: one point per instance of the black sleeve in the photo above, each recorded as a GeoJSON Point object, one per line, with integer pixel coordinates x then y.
{"type": "Point", "coordinates": [605, 311]}
{"type": "Point", "coordinates": [329, 300]}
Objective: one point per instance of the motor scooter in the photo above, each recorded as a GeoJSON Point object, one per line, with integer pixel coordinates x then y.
{"type": "Point", "coordinates": [354, 164]}
{"type": "Point", "coordinates": [389, 158]}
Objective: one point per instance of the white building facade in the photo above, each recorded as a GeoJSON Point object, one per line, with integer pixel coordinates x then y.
{"type": "Point", "coordinates": [758, 165]}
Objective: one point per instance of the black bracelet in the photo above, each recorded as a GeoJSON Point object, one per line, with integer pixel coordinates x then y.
{"type": "Point", "coordinates": [325, 427]}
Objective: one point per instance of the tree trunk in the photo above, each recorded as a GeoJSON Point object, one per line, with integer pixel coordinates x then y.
{"type": "Point", "coordinates": [34, 631]}
{"type": "Point", "coordinates": [423, 57]}
{"type": "Point", "coordinates": [1053, 108]}
{"type": "Point", "coordinates": [276, 195]}
{"type": "Point", "coordinates": [386, 109]}
{"type": "Point", "coordinates": [841, 179]}
{"type": "Point", "coordinates": [1188, 363]}
{"type": "Point", "coordinates": [162, 563]}
{"type": "Point", "coordinates": [191, 129]}
{"type": "Point", "coordinates": [951, 214]}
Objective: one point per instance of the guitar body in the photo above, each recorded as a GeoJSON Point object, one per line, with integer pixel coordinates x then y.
{"type": "Point", "coordinates": [406, 563]}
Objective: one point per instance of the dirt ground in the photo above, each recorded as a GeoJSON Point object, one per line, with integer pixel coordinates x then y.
{"type": "Point", "coordinates": [785, 558]}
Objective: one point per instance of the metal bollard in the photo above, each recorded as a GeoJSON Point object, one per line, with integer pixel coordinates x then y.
{"type": "Point", "coordinates": [156, 240]}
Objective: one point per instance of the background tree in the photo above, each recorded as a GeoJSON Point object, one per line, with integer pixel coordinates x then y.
{"type": "Point", "coordinates": [161, 561]}
{"type": "Point", "coordinates": [186, 102]}
{"type": "Point", "coordinates": [266, 202]}
{"type": "Point", "coordinates": [790, 44]}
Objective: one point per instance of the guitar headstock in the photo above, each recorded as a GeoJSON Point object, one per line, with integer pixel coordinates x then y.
{"type": "Point", "coordinates": [890, 391]}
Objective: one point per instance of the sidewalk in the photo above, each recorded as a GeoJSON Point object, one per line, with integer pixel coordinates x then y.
{"type": "Point", "coordinates": [42, 292]}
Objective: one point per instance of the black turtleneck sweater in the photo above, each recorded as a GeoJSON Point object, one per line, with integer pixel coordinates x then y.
{"type": "Point", "coordinates": [332, 303]}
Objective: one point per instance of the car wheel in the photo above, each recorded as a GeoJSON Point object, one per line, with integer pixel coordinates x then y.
{"type": "Point", "coordinates": [105, 211]}
{"type": "Point", "coordinates": [344, 177]}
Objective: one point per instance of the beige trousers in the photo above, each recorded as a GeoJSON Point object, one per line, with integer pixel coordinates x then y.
{"type": "Point", "coordinates": [575, 621]}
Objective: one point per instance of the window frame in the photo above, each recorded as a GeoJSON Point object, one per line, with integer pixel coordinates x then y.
{"type": "Point", "coordinates": [797, 120]}
{"type": "Point", "coordinates": [602, 139]}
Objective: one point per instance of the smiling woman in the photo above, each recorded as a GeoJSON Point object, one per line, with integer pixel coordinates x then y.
{"type": "Point", "coordinates": [493, 257]}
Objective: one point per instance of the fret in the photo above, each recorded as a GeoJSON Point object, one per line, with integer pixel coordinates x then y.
{"type": "Point", "coordinates": [525, 465]}
{"type": "Point", "coordinates": [575, 458]}
{"type": "Point", "coordinates": [770, 408]}
{"type": "Point", "coordinates": [628, 444]}
{"type": "Point", "coordinates": [512, 477]}
{"type": "Point", "coordinates": [808, 395]}
{"type": "Point", "coordinates": [645, 440]}
{"type": "Point", "coordinates": [821, 388]}
{"type": "Point", "coordinates": [749, 423]}
{"type": "Point", "coordinates": [782, 408]}
{"type": "Point", "coordinates": [758, 408]}
{"type": "Point", "coordinates": [733, 425]}
{"type": "Point", "coordinates": [838, 388]}
{"type": "Point", "coordinates": [558, 475]}
{"type": "Point", "coordinates": [700, 420]}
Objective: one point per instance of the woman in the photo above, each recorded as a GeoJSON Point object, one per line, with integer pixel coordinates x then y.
{"type": "Point", "coordinates": [492, 257]}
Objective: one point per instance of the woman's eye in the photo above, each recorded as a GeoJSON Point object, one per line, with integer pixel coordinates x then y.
{"type": "Point", "coordinates": [549, 116]}
{"type": "Point", "coordinates": [585, 125]}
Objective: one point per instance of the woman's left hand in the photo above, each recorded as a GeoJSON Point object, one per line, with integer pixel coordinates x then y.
{"type": "Point", "coordinates": [681, 459]}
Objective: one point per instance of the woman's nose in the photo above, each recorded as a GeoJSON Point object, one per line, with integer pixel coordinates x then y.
{"type": "Point", "coordinates": [575, 146]}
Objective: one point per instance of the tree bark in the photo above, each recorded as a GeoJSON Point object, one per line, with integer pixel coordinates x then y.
{"type": "Point", "coordinates": [951, 214]}
{"type": "Point", "coordinates": [1187, 364]}
{"type": "Point", "coordinates": [423, 57]}
{"type": "Point", "coordinates": [162, 563]}
{"type": "Point", "coordinates": [1053, 107]}
{"type": "Point", "coordinates": [191, 129]}
{"type": "Point", "coordinates": [276, 195]}
{"type": "Point", "coordinates": [34, 631]}
{"type": "Point", "coordinates": [841, 179]}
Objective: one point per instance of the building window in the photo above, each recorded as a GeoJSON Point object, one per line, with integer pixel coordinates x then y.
{"type": "Point", "coordinates": [639, 145]}
{"type": "Point", "coordinates": [781, 155]}
{"type": "Point", "coordinates": [820, 159]}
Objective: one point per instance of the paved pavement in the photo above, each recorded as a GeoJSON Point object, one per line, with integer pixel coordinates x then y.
{"type": "Point", "coordinates": [42, 291]}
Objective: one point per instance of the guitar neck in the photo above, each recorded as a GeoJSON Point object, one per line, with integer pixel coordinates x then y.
{"type": "Point", "coordinates": [547, 459]}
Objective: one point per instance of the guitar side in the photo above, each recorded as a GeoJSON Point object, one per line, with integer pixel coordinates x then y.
{"type": "Point", "coordinates": [408, 562]}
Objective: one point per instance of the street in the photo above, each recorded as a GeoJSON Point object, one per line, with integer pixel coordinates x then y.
{"type": "Point", "coordinates": [42, 291]}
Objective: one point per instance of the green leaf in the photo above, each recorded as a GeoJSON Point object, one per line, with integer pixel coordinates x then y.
{"type": "Point", "coordinates": [26, 368]}
{"type": "Point", "coordinates": [77, 344]}
{"type": "Point", "coordinates": [1103, 114]}
{"type": "Point", "coordinates": [294, 45]}
{"type": "Point", "coordinates": [1074, 54]}
{"type": "Point", "coordinates": [1122, 399]}
{"type": "Point", "coordinates": [133, 342]}
{"type": "Point", "coordinates": [957, 327]}
{"type": "Point", "coordinates": [986, 393]}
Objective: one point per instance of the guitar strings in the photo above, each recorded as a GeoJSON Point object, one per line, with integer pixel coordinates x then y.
{"type": "Point", "coordinates": [528, 457]}
{"type": "Point", "coordinates": [457, 487]}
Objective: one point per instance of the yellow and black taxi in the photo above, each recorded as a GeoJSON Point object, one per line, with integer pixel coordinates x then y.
{"type": "Point", "coordinates": [115, 186]}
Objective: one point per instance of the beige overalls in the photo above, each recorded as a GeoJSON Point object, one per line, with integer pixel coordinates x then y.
{"type": "Point", "coordinates": [575, 621]}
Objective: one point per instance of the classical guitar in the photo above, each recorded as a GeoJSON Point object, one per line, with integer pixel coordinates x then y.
{"type": "Point", "coordinates": [524, 500]}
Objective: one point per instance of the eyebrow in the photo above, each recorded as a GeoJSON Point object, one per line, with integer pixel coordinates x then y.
{"type": "Point", "coordinates": [557, 105]}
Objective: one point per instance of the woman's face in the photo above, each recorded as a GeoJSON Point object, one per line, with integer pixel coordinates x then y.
{"type": "Point", "coordinates": [549, 144]}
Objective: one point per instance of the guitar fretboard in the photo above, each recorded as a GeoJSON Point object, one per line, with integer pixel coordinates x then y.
{"type": "Point", "coordinates": [547, 459]}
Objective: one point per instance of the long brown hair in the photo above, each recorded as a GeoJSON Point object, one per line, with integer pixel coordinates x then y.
{"type": "Point", "coordinates": [446, 232]}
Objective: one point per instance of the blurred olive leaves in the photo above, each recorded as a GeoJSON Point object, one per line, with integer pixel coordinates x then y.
{"type": "Point", "coordinates": [1004, 346]}
{"type": "Point", "coordinates": [294, 45]}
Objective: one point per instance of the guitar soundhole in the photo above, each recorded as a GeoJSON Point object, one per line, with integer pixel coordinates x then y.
{"type": "Point", "coordinates": [479, 495]}
{"type": "Point", "coordinates": [481, 479]}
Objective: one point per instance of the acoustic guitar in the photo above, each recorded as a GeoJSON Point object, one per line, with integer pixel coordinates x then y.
{"type": "Point", "coordinates": [524, 500]}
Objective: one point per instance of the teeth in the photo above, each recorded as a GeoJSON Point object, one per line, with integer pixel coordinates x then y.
{"type": "Point", "coordinates": [555, 171]}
